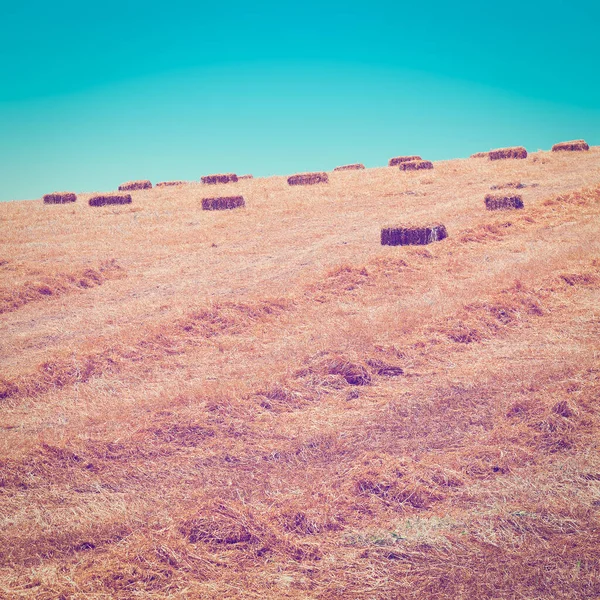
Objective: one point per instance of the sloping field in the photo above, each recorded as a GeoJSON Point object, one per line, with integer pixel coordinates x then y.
{"type": "Point", "coordinates": [267, 403]}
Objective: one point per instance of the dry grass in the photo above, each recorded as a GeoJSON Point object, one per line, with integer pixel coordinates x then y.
{"type": "Point", "coordinates": [573, 146]}
{"type": "Point", "coordinates": [142, 184]}
{"type": "Point", "coordinates": [60, 198]}
{"type": "Point", "coordinates": [270, 404]}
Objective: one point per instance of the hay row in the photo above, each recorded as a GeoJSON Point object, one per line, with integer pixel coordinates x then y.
{"type": "Point", "coordinates": [143, 184]}
{"type": "Point", "coordinates": [495, 202]}
{"type": "Point", "coordinates": [223, 203]}
{"type": "Point", "coordinates": [170, 183]}
{"type": "Point", "coordinates": [106, 199]}
{"type": "Point", "coordinates": [572, 146]}
{"type": "Point", "coordinates": [220, 178]}
{"type": "Point", "coordinates": [394, 162]}
{"type": "Point", "coordinates": [410, 235]}
{"type": "Point", "coordinates": [308, 179]}
{"type": "Point", "coordinates": [354, 167]}
{"type": "Point", "coordinates": [513, 152]}
{"type": "Point", "coordinates": [415, 165]}
{"type": "Point", "coordinates": [59, 198]}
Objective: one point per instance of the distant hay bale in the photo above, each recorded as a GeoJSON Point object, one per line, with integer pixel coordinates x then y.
{"type": "Point", "coordinates": [223, 203]}
{"type": "Point", "coordinates": [517, 185]}
{"type": "Point", "coordinates": [308, 179]}
{"type": "Point", "coordinates": [143, 184]}
{"type": "Point", "coordinates": [415, 165]}
{"type": "Point", "coordinates": [170, 183]}
{"type": "Point", "coordinates": [572, 146]}
{"type": "Point", "coordinates": [480, 155]}
{"type": "Point", "coordinates": [246, 177]}
{"type": "Point", "coordinates": [354, 167]}
{"type": "Point", "coordinates": [410, 235]}
{"type": "Point", "coordinates": [496, 202]}
{"type": "Point", "coordinates": [393, 162]}
{"type": "Point", "coordinates": [106, 199]}
{"type": "Point", "coordinates": [59, 198]}
{"type": "Point", "coordinates": [220, 178]}
{"type": "Point", "coordinates": [514, 152]}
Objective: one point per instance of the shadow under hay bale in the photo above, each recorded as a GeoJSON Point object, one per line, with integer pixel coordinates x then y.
{"type": "Point", "coordinates": [495, 202]}
{"type": "Point", "coordinates": [143, 184]}
{"type": "Point", "coordinates": [220, 178]}
{"type": "Point", "coordinates": [409, 235]}
{"type": "Point", "coordinates": [170, 183]}
{"type": "Point", "coordinates": [415, 165]}
{"type": "Point", "coordinates": [480, 155]}
{"type": "Point", "coordinates": [572, 146]}
{"type": "Point", "coordinates": [223, 203]}
{"type": "Point", "coordinates": [246, 177]}
{"type": "Point", "coordinates": [513, 152]}
{"type": "Point", "coordinates": [308, 179]}
{"type": "Point", "coordinates": [394, 162]}
{"type": "Point", "coordinates": [60, 198]}
{"type": "Point", "coordinates": [104, 200]}
{"type": "Point", "coordinates": [354, 167]}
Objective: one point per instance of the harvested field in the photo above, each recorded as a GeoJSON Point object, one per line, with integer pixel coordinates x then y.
{"type": "Point", "coordinates": [308, 179]}
{"type": "Point", "coordinates": [502, 153]}
{"type": "Point", "coordinates": [170, 183]}
{"type": "Point", "coordinates": [222, 203]}
{"type": "Point", "coordinates": [415, 165]}
{"type": "Point", "coordinates": [143, 184]}
{"type": "Point", "coordinates": [572, 146]}
{"type": "Point", "coordinates": [411, 235]}
{"type": "Point", "coordinates": [393, 162]}
{"type": "Point", "coordinates": [353, 167]}
{"type": "Point", "coordinates": [106, 199]}
{"type": "Point", "coordinates": [220, 178]}
{"type": "Point", "coordinates": [497, 202]}
{"type": "Point", "coordinates": [60, 198]}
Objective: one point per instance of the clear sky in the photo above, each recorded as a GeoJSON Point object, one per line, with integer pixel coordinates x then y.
{"type": "Point", "coordinates": [96, 93]}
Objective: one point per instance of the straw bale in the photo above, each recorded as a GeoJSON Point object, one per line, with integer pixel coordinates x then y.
{"type": "Point", "coordinates": [513, 152]}
{"type": "Point", "coordinates": [410, 235]}
{"type": "Point", "coordinates": [103, 200]}
{"type": "Point", "coordinates": [393, 162]}
{"type": "Point", "coordinates": [60, 198]}
{"type": "Point", "coordinates": [220, 178]}
{"type": "Point", "coordinates": [308, 179]}
{"type": "Point", "coordinates": [222, 202]}
{"type": "Point", "coordinates": [246, 177]}
{"type": "Point", "coordinates": [143, 184]}
{"type": "Point", "coordinates": [480, 155]}
{"type": "Point", "coordinates": [415, 165]}
{"type": "Point", "coordinates": [572, 146]}
{"type": "Point", "coordinates": [498, 202]}
{"type": "Point", "coordinates": [354, 167]}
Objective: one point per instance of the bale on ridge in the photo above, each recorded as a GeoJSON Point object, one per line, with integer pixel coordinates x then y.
{"type": "Point", "coordinates": [354, 167]}
{"type": "Point", "coordinates": [170, 183]}
{"type": "Point", "coordinates": [513, 152]}
{"type": "Point", "coordinates": [143, 184]}
{"type": "Point", "coordinates": [246, 177]}
{"type": "Point", "coordinates": [220, 178]}
{"type": "Point", "coordinates": [59, 198]}
{"type": "Point", "coordinates": [393, 162]}
{"type": "Point", "coordinates": [496, 202]}
{"type": "Point", "coordinates": [480, 155]}
{"type": "Point", "coordinates": [572, 146]}
{"type": "Point", "coordinates": [222, 202]}
{"type": "Point", "coordinates": [415, 165]}
{"type": "Point", "coordinates": [105, 199]}
{"type": "Point", "coordinates": [410, 235]}
{"type": "Point", "coordinates": [308, 179]}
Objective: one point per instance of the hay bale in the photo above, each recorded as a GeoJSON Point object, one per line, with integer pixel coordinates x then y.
{"type": "Point", "coordinates": [170, 183]}
{"type": "Point", "coordinates": [246, 177]}
{"type": "Point", "coordinates": [514, 152]}
{"type": "Point", "coordinates": [354, 167]}
{"type": "Point", "coordinates": [394, 162]}
{"type": "Point", "coordinates": [480, 155]}
{"type": "Point", "coordinates": [410, 235]}
{"type": "Point", "coordinates": [516, 185]}
{"type": "Point", "coordinates": [106, 199]}
{"type": "Point", "coordinates": [220, 178]}
{"type": "Point", "coordinates": [143, 184]}
{"type": "Point", "coordinates": [308, 179]}
{"type": "Point", "coordinates": [222, 202]}
{"type": "Point", "coordinates": [59, 198]}
{"type": "Point", "coordinates": [497, 202]}
{"type": "Point", "coordinates": [572, 146]}
{"type": "Point", "coordinates": [415, 165]}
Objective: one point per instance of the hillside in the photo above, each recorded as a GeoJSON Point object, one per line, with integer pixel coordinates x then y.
{"type": "Point", "coordinates": [267, 403]}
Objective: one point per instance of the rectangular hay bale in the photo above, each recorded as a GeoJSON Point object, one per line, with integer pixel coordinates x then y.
{"type": "Point", "coordinates": [143, 184]}
{"type": "Point", "coordinates": [223, 203]}
{"type": "Point", "coordinates": [105, 199]}
{"type": "Point", "coordinates": [415, 165]}
{"type": "Point", "coordinates": [354, 167]}
{"type": "Point", "coordinates": [308, 179]}
{"type": "Point", "coordinates": [246, 177]}
{"type": "Point", "coordinates": [394, 162]}
{"type": "Point", "coordinates": [497, 202]}
{"type": "Point", "coordinates": [59, 198]}
{"type": "Point", "coordinates": [513, 152]}
{"type": "Point", "coordinates": [411, 235]}
{"type": "Point", "coordinates": [572, 146]}
{"type": "Point", "coordinates": [220, 178]}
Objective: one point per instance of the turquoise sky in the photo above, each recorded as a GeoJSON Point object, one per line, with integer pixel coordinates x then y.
{"type": "Point", "coordinates": [94, 94]}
